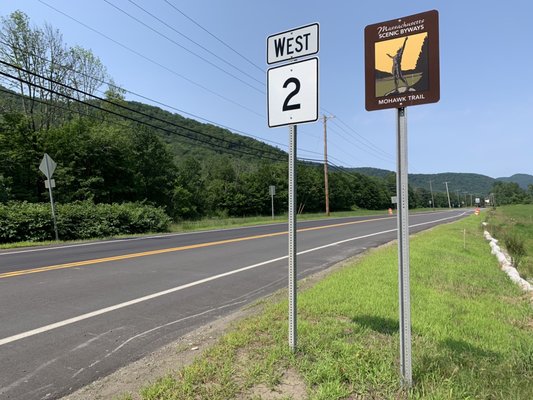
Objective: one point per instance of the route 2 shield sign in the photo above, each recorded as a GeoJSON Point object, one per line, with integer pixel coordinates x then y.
{"type": "Point", "coordinates": [293, 93]}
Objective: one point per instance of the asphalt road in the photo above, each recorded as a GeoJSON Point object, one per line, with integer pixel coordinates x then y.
{"type": "Point", "coordinates": [71, 314]}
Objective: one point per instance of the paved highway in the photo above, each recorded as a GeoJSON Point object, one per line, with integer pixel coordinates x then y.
{"type": "Point", "coordinates": [71, 314]}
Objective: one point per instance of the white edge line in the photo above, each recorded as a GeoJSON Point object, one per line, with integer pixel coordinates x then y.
{"type": "Point", "coordinates": [105, 310]}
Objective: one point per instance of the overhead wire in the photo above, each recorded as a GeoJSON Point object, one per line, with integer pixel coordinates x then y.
{"type": "Point", "coordinates": [184, 48]}
{"type": "Point", "coordinates": [347, 139]}
{"type": "Point", "coordinates": [114, 86]}
{"type": "Point", "coordinates": [230, 143]}
{"type": "Point", "coordinates": [262, 83]}
{"type": "Point", "coordinates": [187, 79]}
{"type": "Point", "coordinates": [366, 142]}
{"type": "Point", "coordinates": [214, 36]}
{"type": "Point", "coordinates": [151, 60]}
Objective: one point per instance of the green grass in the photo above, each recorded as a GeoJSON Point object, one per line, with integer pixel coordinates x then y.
{"type": "Point", "coordinates": [220, 223]}
{"type": "Point", "coordinates": [515, 222]}
{"type": "Point", "coordinates": [472, 332]}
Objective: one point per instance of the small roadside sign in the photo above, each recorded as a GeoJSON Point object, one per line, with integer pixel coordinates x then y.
{"type": "Point", "coordinates": [402, 62]}
{"type": "Point", "coordinates": [47, 166]}
{"type": "Point", "coordinates": [292, 44]}
{"type": "Point", "coordinates": [293, 93]}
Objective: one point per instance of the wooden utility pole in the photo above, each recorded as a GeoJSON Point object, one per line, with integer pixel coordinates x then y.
{"type": "Point", "coordinates": [326, 182]}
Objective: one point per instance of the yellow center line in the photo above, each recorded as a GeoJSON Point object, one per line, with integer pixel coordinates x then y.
{"type": "Point", "coordinates": [169, 250]}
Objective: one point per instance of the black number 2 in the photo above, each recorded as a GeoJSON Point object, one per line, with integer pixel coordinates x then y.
{"type": "Point", "coordinates": [286, 105]}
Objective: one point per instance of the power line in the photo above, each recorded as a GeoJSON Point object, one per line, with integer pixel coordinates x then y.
{"type": "Point", "coordinates": [214, 36]}
{"type": "Point", "coordinates": [134, 111]}
{"type": "Point", "coordinates": [47, 103]}
{"type": "Point", "coordinates": [152, 61]}
{"type": "Point", "coordinates": [184, 48]}
{"type": "Point", "coordinates": [373, 154]}
{"type": "Point", "coordinates": [363, 140]}
{"type": "Point", "coordinates": [110, 84]}
{"type": "Point", "coordinates": [195, 42]}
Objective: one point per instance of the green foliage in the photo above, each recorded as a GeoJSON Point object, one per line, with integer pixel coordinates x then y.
{"type": "Point", "coordinates": [513, 226]}
{"type": "Point", "coordinates": [81, 220]}
{"type": "Point", "coordinates": [515, 245]}
{"type": "Point", "coordinates": [509, 193]}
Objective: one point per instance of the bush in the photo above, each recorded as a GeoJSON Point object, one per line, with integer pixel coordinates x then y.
{"type": "Point", "coordinates": [515, 245]}
{"type": "Point", "coordinates": [80, 220]}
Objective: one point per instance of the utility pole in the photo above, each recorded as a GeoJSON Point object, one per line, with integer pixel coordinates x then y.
{"type": "Point", "coordinates": [458, 198]}
{"type": "Point", "coordinates": [431, 190]}
{"type": "Point", "coordinates": [326, 181]}
{"type": "Point", "coordinates": [448, 193]}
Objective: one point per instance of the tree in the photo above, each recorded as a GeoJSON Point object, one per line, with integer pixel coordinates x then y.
{"type": "Point", "coordinates": [19, 158]}
{"type": "Point", "coordinates": [45, 70]}
{"type": "Point", "coordinates": [508, 193]}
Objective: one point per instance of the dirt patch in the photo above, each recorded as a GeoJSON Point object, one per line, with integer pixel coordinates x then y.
{"type": "Point", "coordinates": [291, 386]}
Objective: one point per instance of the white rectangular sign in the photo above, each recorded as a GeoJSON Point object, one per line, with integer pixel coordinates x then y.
{"type": "Point", "coordinates": [293, 93]}
{"type": "Point", "coordinates": [291, 44]}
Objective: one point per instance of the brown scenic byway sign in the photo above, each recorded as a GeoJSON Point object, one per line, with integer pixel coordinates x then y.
{"type": "Point", "coordinates": [402, 62]}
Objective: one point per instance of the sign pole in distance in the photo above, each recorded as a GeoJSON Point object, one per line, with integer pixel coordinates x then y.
{"type": "Point", "coordinates": [403, 250]}
{"type": "Point", "coordinates": [293, 336]}
{"type": "Point", "coordinates": [401, 70]}
{"type": "Point", "coordinates": [272, 192]}
{"type": "Point", "coordinates": [47, 167]}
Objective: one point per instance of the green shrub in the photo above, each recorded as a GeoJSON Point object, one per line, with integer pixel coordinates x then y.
{"type": "Point", "coordinates": [80, 220]}
{"type": "Point", "coordinates": [515, 245]}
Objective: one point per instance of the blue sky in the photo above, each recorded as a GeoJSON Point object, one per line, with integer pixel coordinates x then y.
{"type": "Point", "coordinates": [482, 123]}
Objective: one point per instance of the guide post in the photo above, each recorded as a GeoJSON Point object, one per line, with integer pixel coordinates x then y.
{"type": "Point", "coordinates": [401, 70]}
{"type": "Point", "coordinates": [47, 167]}
{"type": "Point", "coordinates": [292, 98]}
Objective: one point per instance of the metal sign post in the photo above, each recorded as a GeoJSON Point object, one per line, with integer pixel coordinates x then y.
{"type": "Point", "coordinates": [402, 192]}
{"type": "Point", "coordinates": [47, 167]}
{"type": "Point", "coordinates": [292, 238]}
{"type": "Point", "coordinates": [401, 70]}
{"type": "Point", "coordinates": [272, 191]}
{"type": "Point", "coordinates": [292, 98]}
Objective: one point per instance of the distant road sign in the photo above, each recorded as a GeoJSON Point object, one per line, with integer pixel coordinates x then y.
{"type": "Point", "coordinates": [47, 166]}
{"type": "Point", "coordinates": [293, 93]}
{"type": "Point", "coordinates": [291, 44]}
{"type": "Point", "coordinates": [402, 62]}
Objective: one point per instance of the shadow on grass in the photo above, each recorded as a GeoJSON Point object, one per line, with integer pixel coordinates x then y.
{"type": "Point", "coordinates": [385, 326]}
{"type": "Point", "coordinates": [465, 349]}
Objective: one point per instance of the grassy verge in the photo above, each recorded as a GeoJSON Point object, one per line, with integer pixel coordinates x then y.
{"type": "Point", "coordinates": [472, 333]}
{"type": "Point", "coordinates": [220, 223]}
{"type": "Point", "coordinates": [212, 223]}
{"type": "Point", "coordinates": [513, 227]}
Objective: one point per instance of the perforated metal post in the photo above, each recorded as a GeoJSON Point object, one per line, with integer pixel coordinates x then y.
{"type": "Point", "coordinates": [292, 238]}
{"type": "Point", "coordinates": [49, 175]}
{"type": "Point", "coordinates": [403, 252]}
